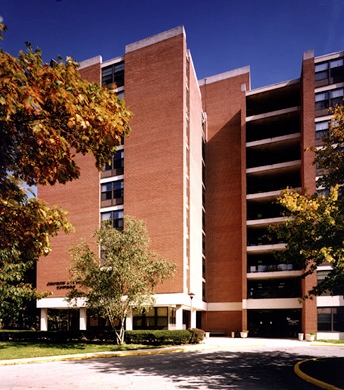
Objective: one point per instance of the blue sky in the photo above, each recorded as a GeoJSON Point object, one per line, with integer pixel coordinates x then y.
{"type": "Point", "coordinates": [269, 35]}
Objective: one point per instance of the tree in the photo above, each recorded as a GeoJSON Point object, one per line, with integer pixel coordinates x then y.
{"type": "Point", "coordinates": [26, 228]}
{"type": "Point", "coordinates": [48, 114]}
{"type": "Point", "coordinates": [123, 277]}
{"type": "Point", "coordinates": [330, 157]}
{"type": "Point", "coordinates": [314, 226]}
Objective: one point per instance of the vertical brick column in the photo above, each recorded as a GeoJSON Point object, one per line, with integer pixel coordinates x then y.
{"type": "Point", "coordinates": [225, 104]}
{"type": "Point", "coordinates": [154, 153]}
{"type": "Point", "coordinates": [308, 173]}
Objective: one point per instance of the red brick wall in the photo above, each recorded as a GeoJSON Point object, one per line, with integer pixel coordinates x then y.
{"type": "Point", "coordinates": [308, 173]}
{"type": "Point", "coordinates": [81, 199]}
{"type": "Point", "coordinates": [92, 73]}
{"type": "Point", "coordinates": [225, 199]}
{"type": "Point", "coordinates": [228, 321]}
{"type": "Point", "coordinates": [154, 151]}
{"type": "Point", "coordinates": [225, 186]}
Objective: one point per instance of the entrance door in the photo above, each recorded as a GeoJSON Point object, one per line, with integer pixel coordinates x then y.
{"type": "Point", "coordinates": [274, 323]}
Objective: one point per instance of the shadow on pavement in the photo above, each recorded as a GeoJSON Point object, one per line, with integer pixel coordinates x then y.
{"type": "Point", "coordinates": [213, 370]}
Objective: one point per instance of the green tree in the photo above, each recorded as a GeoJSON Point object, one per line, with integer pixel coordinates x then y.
{"type": "Point", "coordinates": [48, 114]}
{"type": "Point", "coordinates": [314, 226]}
{"type": "Point", "coordinates": [123, 277]}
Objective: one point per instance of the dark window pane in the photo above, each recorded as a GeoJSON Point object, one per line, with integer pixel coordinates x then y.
{"type": "Point", "coordinates": [321, 75]}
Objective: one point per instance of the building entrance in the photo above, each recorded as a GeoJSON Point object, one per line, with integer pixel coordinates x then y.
{"type": "Point", "coordinates": [274, 323]}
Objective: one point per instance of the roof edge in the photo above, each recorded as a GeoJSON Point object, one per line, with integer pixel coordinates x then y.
{"type": "Point", "coordinates": [155, 39]}
{"type": "Point", "coordinates": [225, 75]}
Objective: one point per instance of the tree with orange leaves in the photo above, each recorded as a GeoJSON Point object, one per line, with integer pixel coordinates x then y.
{"type": "Point", "coordinates": [48, 114]}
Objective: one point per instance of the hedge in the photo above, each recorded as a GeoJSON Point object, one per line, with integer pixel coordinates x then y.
{"type": "Point", "coordinates": [164, 337]}
{"type": "Point", "coordinates": [147, 337]}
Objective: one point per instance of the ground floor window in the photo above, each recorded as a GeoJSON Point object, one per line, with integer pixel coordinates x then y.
{"type": "Point", "coordinates": [63, 319]}
{"type": "Point", "coordinates": [331, 319]}
{"type": "Point", "coordinates": [96, 322]}
{"type": "Point", "coordinates": [155, 318]}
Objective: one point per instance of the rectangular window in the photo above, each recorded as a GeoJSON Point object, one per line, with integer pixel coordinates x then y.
{"type": "Point", "coordinates": [106, 191]}
{"type": "Point", "coordinates": [321, 128]}
{"type": "Point", "coordinates": [274, 288]}
{"type": "Point", "coordinates": [331, 319]}
{"type": "Point", "coordinates": [336, 63]}
{"type": "Point", "coordinates": [107, 76]}
{"type": "Point", "coordinates": [321, 71]}
{"type": "Point", "coordinates": [321, 100]}
{"type": "Point", "coordinates": [116, 218]}
{"type": "Point", "coordinates": [118, 191]}
{"type": "Point", "coordinates": [108, 166]}
{"type": "Point", "coordinates": [330, 72]}
{"type": "Point", "coordinates": [336, 97]}
{"type": "Point", "coordinates": [114, 192]}
{"type": "Point", "coordinates": [155, 318]}
{"type": "Point", "coordinates": [113, 74]}
{"type": "Point", "coordinates": [118, 162]}
{"type": "Point", "coordinates": [115, 167]}
{"type": "Point", "coordinates": [328, 99]}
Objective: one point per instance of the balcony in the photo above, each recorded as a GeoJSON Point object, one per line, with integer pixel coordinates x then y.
{"type": "Point", "coordinates": [273, 125]}
{"type": "Point", "coordinates": [273, 177]}
{"type": "Point", "coordinates": [266, 248]}
{"type": "Point", "coordinates": [264, 222]}
{"type": "Point", "coordinates": [273, 168]}
{"type": "Point", "coordinates": [272, 271]}
{"type": "Point", "coordinates": [274, 288]}
{"type": "Point", "coordinates": [273, 152]}
{"type": "Point", "coordinates": [275, 97]}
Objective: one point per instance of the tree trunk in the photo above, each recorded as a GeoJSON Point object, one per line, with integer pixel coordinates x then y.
{"type": "Point", "coordinates": [120, 334]}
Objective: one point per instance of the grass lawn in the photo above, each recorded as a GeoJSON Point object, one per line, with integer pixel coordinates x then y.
{"type": "Point", "coordinates": [332, 341]}
{"type": "Point", "coordinates": [21, 350]}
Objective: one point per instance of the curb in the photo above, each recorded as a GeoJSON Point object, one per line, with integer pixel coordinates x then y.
{"type": "Point", "coordinates": [307, 378]}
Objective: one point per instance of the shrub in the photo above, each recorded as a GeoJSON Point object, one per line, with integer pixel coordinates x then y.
{"type": "Point", "coordinates": [147, 337]}
{"type": "Point", "coordinates": [197, 336]}
{"type": "Point", "coordinates": [163, 337]}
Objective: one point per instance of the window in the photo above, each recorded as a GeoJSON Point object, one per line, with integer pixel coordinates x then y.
{"type": "Point", "coordinates": [337, 63]}
{"type": "Point", "coordinates": [326, 99]}
{"type": "Point", "coordinates": [321, 71]}
{"type": "Point", "coordinates": [321, 128]}
{"type": "Point", "coordinates": [106, 191]}
{"type": "Point", "coordinates": [118, 162]}
{"type": "Point", "coordinates": [321, 276]}
{"type": "Point", "coordinates": [113, 74]}
{"type": "Point", "coordinates": [115, 167]}
{"type": "Point", "coordinates": [330, 72]}
{"type": "Point", "coordinates": [113, 192]}
{"type": "Point", "coordinates": [336, 97]}
{"type": "Point", "coordinates": [155, 318]}
{"type": "Point", "coordinates": [274, 288]}
{"type": "Point", "coordinates": [116, 217]}
{"type": "Point", "coordinates": [321, 100]}
{"type": "Point", "coordinates": [331, 319]}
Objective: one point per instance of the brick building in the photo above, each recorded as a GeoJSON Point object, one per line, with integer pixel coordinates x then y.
{"type": "Point", "coordinates": [202, 166]}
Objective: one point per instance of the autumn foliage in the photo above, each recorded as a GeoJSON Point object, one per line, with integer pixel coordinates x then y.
{"type": "Point", "coordinates": [314, 227]}
{"type": "Point", "coordinates": [48, 114]}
